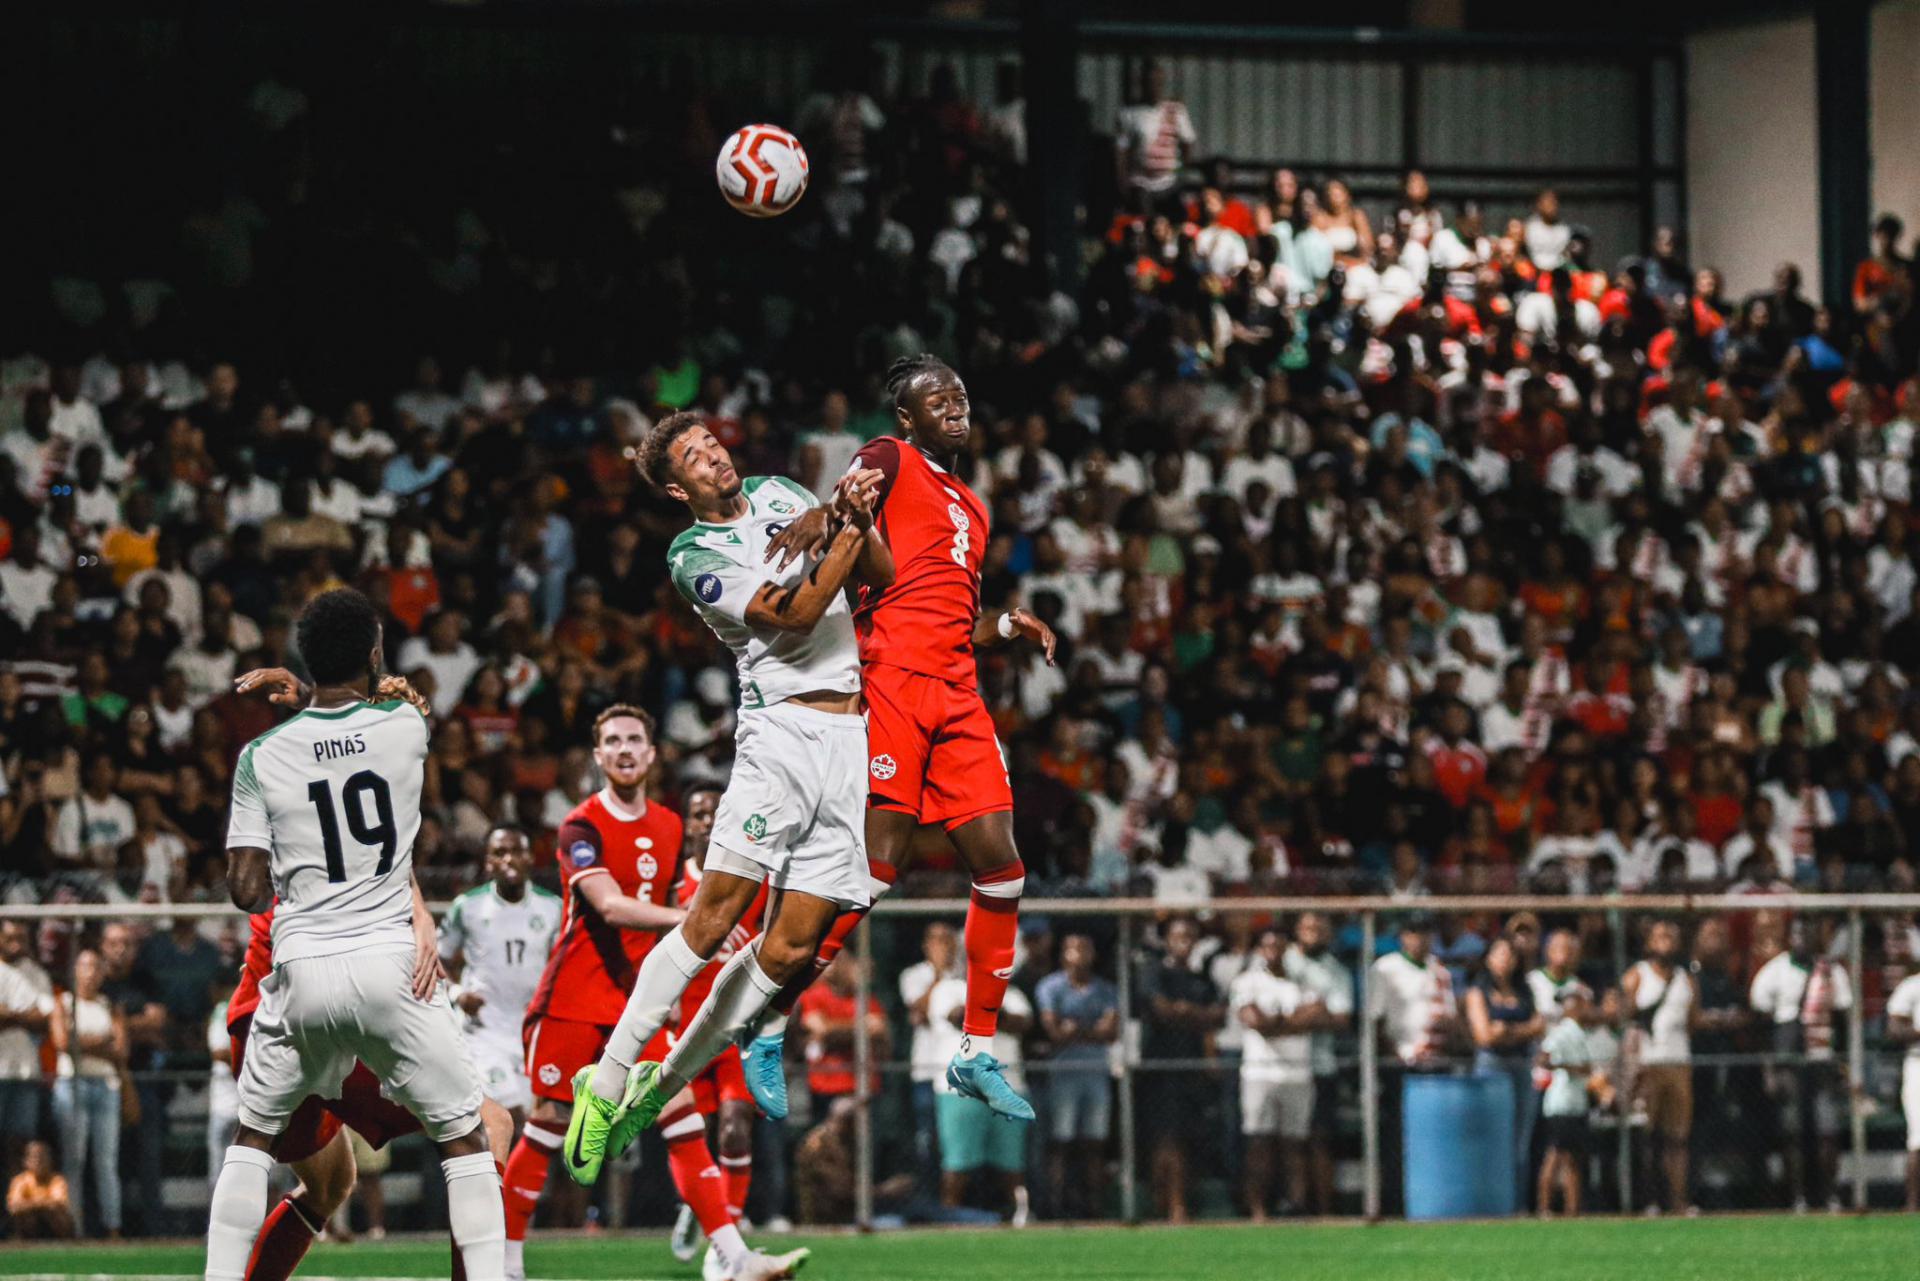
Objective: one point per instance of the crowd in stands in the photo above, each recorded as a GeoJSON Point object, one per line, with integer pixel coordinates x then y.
{"type": "Point", "coordinates": [1398, 549]}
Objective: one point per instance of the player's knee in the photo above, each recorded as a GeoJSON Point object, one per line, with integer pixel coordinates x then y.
{"type": "Point", "coordinates": [327, 1177]}
{"type": "Point", "coordinates": [463, 1136]}
{"type": "Point", "coordinates": [783, 957]}
{"type": "Point", "coordinates": [736, 1129]}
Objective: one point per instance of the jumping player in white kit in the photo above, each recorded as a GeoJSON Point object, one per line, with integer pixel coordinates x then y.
{"type": "Point", "coordinates": [326, 807]}
{"type": "Point", "coordinates": [794, 813]}
{"type": "Point", "coordinates": [494, 941]}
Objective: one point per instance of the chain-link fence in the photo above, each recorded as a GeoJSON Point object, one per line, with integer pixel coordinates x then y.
{"type": "Point", "coordinates": [1235, 1058]}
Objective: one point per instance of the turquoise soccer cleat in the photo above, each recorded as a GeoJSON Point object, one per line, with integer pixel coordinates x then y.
{"type": "Point", "coordinates": [981, 1077]}
{"type": "Point", "coordinates": [764, 1062]}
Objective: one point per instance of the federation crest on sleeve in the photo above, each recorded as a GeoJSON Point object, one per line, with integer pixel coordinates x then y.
{"type": "Point", "coordinates": [883, 767]}
{"type": "Point", "coordinates": [582, 854]}
{"type": "Point", "coordinates": [707, 587]}
{"type": "Point", "coordinates": [782, 506]}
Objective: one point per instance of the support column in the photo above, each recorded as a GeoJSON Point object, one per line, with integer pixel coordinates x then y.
{"type": "Point", "coordinates": [1840, 37]}
{"type": "Point", "coordinates": [1049, 60]}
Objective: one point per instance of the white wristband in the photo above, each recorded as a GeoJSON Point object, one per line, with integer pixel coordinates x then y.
{"type": "Point", "coordinates": [1006, 627]}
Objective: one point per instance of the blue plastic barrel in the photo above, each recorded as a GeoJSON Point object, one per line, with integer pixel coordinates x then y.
{"type": "Point", "coordinates": [1458, 1132]}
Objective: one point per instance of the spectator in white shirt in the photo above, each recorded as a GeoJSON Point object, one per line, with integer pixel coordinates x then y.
{"type": "Point", "coordinates": [442, 652]}
{"type": "Point", "coordinates": [1804, 995]}
{"type": "Point", "coordinates": [1259, 462]}
{"type": "Point", "coordinates": [1546, 235]}
{"type": "Point", "coordinates": [252, 499]}
{"type": "Point", "coordinates": [1903, 1029]}
{"type": "Point", "coordinates": [939, 952]}
{"type": "Point", "coordinates": [1311, 964]}
{"type": "Point", "coordinates": [1154, 137]}
{"type": "Point", "coordinates": [427, 402]}
{"type": "Point", "coordinates": [24, 1010]}
{"type": "Point", "coordinates": [26, 582]}
{"type": "Point", "coordinates": [75, 418]}
{"type": "Point", "coordinates": [89, 830]}
{"type": "Point", "coordinates": [1276, 1072]}
{"type": "Point", "coordinates": [1410, 995]}
{"type": "Point", "coordinates": [209, 663]}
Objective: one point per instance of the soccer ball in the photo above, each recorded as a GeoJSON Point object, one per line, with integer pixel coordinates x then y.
{"type": "Point", "coordinates": [762, 170]}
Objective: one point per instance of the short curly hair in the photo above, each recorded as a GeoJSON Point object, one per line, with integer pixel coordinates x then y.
{"type": "Point", "coordinates": [652, 457]}
{"type": "Point", "coordinates": [336, 632]}
{"type": "Point", "coordinates": [903, 373]}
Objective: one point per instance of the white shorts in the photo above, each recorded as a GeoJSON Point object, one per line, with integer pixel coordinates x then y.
{"type": "Point", "coordinates": [1282, 1109]}
{"type": "Point", "coordinates": [319, 1014]}
{"type": "Point", "coordinates": [1910, 1101]}
{"type": "Point", "coordinates": [502, 1066]}
{"type": "Point", "coordinates": [795, 810]}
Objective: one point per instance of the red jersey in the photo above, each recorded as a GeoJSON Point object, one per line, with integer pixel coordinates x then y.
{"type": "Point", "coordinates": [259, 963]}
{"type": "Point", "coordinates": [593, 963]}
{"type": "Point", "coordinates": [936, 528]}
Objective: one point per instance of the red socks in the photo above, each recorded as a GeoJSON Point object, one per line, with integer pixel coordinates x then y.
{"type": "Point", "coordinates": [739, 1173]}
{"type": "Point", "coordinates": [698, 1179]}
{"type": "Point", "coordinates": [844, 925]}
{"type": "Point", "coordinates": [283, 1241]}
{"type": "Point", "coordinates": [526, 1177]}
{"type": "Point", "coordinates": [993, 923]}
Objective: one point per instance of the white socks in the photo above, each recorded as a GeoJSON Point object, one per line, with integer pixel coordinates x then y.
{"type": "Point", "coordinates": [476, 1216]}
{"type": "Point", "coordinates": [516, 1260]}
{"type": "Point", "coordinates": [239, 1208]}
{"type": "Point", "coordinates": [739, 994]}
{"type": "Point", "coordinates": [730, 1246]}
{"type": "Point", "coordinates": [664, 975]}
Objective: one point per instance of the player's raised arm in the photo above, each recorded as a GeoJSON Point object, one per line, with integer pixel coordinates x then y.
{"type": "Point", "coordinates": [875, 566]}
{"type": "Point", "coordinates": [799, 607]}
{"type": "Point", "coordinates": [997, 629]}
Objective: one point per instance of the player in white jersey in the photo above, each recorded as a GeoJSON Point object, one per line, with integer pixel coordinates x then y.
{"type": "Point", "coordinates": [494, 942]}
{"type": "Point", "coordinates": [794, 813]}
{"type": "Point", "coordinates": [325, 810]}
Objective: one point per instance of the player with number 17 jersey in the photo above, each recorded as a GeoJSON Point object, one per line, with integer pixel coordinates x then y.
{"type": "Point", "coordinates": [932, 749]}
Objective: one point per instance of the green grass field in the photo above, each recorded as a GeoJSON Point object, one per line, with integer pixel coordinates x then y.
{"type": "Point", "coordinates": [1728, 1249]}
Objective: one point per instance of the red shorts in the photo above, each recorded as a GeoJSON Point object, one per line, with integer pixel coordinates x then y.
{"type": "Point", "coordinates": [558, 1048]}
{"type": "Point", "coordinates": [722, 1081]}
{"type": "Point", "coordinates": [361, 1106]}
{"type": "Point", "coordinates": [931, 748]}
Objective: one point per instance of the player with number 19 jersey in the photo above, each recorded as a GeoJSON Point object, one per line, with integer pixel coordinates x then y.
{"type": "Point", "coordinates": [932, 749]}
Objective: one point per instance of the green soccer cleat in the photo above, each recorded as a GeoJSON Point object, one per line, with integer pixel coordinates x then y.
{"type": "Point", "coordinates": [980, 1078]}
{"type": "Point", "coordinates": [585, 1149]}
{"type": "Point", "coordinates": [640, 1107]}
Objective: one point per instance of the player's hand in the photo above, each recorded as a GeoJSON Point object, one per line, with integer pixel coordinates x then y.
{"type": "Point", "coordinates": [470, 1002]}
{"type": "Point", "coordinates": [427, 973]}
{"type": "Point", "coordinates": [806, 536]}
{"type": "Point", "coordinates": [1026, 623]}
{"type": "Point", "coordinates": [855, 496]}
{"type": "Point", "coordinates": [400, 687]}
{"type": "Point", "coordinates": [281, 686]}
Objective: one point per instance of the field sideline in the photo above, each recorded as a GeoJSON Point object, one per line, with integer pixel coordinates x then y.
{"type": "Point", "coordinates": [1776, 1248]}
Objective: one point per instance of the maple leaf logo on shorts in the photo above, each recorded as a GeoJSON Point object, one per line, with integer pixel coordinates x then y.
{"type": "Point", "coordinates": [549, 1074]}
{"type": "Point", "coordinates": [755, 827]}
{"type": "Point", "coordinates": [883, 768]}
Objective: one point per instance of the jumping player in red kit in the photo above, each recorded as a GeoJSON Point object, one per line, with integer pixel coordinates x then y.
{"type": "Point", "coordinates": [933, 754]}
{"type": "Point", "coordinates": [619, 857]}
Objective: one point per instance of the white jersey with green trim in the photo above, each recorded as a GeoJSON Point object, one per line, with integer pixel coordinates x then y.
{"type": "Point", "coordinates": [334, 796]}
{"type": "Point", "coordinates": [506, 946]}
{"type": "Point", "coordinates": [720, 567]}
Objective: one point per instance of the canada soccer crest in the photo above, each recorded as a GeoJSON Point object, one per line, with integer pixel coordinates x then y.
{"type": "Point", "coordinates": [958, 515]}
{"type": "Point", "coordinates": [883, 767]}
{"type": "Point", "coordinates": [647, 867]}
{"type": "Point", "coordinates": [549, 1074]}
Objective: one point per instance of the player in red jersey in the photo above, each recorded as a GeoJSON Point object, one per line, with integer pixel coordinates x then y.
{"type": "Point", "coordinates": [619, 857]}
{"type": "Point", "coordinates": [312, 1143]}
{"type": "Point", "coordinates": [933, 754]}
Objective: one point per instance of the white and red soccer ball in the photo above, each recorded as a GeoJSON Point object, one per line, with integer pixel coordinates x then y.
{"type": "Point", "coordinates": [762, 170]}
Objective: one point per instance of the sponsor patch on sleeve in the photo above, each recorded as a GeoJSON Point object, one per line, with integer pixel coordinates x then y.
{"type": "Point", "coordinates": [707, 587]}
{"type": "Point", "coordinates": [582, 854]}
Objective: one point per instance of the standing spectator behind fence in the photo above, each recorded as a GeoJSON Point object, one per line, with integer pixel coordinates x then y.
{"type": "Point", "coordinates": [1155, 136]}
{"type": "Point", "coordinates": [24, 1013]}
{"type": "Point", "coordinates": [1804, 995]}
{"type": "Point", "coordinates": [972, 1138]}
{"type": "Point", "coordinates": [1276, 1073]}
{"type": "Point", "coordinates": [1182, 1008]}
{"type": "Point", "coordinates": [1568, 1057]}
{"type": "Point", "coordinates": [1504, 1025]}
{"type": "Point", "coordinates": [917, 981]}
{"type": "Point", "coordinates": [1660, 997]}
{"type": "Point", "coordinates": [90, 1036]}
{"type": "Point", "coordinates": [1080, 1012]}
{"type": "Point", "coordinates": [828, 1012]}
{"type": "Point", "coordinates": [134, 995]}
{"type": "Point", "coordinates": [1903, 1028]}
{"type": "Point", "coordinates": [1410, 994]}
{"type": "Point", "coordinates": [1311, 964]}
{"type": "Point", "coordinates": [37, 1201]}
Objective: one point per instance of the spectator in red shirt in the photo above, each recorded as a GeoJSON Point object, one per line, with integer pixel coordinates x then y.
{"type": "Point", "coordinates": [1876, 273]}
{"type": "Point", "coordinates": [1529, 435]}
{"type": "Point", "coordinates": [1459, 764]}
{"type": "Point", "coordinates": [827, 1013]}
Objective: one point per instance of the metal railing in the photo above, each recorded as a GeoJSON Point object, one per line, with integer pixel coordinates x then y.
{"type": "Point", "coordinates": [1127, 916]}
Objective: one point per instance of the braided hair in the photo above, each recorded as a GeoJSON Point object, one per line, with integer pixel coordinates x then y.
{"type": "Point", "coordinates": [903, 373]}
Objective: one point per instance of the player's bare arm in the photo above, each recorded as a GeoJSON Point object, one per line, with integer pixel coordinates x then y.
{"type": "Point", "coordinates": [249, 882]}
{"type": "Point", "coordinates": [277, 683]}
{"type": "Point", "coordinates": [800, 607]}
{"type": "Point", "coordinates": [995, 629]}
{"type": "Point", "coordinates": [615, 908]}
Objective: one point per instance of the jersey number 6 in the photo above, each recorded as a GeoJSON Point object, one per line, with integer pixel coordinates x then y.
{"type": "Point", "coordinates": [383, 833]}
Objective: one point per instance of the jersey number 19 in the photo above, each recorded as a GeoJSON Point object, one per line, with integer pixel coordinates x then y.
{"type": "Point", "coordinates": [383, 833]}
